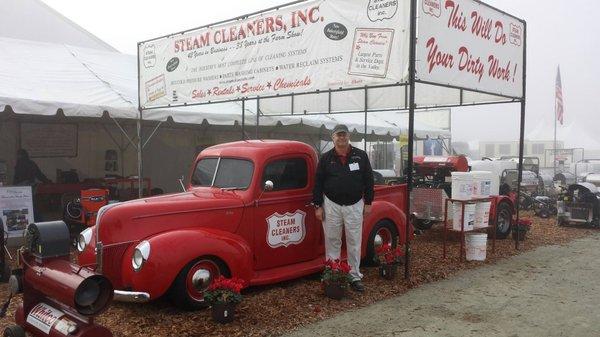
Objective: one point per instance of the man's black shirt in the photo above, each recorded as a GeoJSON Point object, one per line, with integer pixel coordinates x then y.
{"type": "Point", "coordinates": [344, 184]}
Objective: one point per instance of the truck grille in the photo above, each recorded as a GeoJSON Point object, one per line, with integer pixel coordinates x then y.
{"type": "Point", "coordinates": [428, 203]}
{"type": "Point", "coordinates": [580, 213]}
{"type": "Point", "coordinates": [112, 255]}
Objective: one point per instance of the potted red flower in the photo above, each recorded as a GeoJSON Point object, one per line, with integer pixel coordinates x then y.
{"type": "Point", "coordinates": [523, 226]}
{"type": "Point", "coordinates": [223, 295]}
{"type": "Point", "coordinates": [336, 278]}
{"type": "Point", "coordinates": [389, 259]}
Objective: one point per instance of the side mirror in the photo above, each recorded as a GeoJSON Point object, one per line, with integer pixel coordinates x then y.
{"type": "Point", "coordinates": [268, 186]}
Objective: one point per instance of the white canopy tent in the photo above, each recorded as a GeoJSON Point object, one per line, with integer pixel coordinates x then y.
{"type": "Point", "coordinates": [41, 78]}
{"type": "Point", "coordinates": [55, 83]}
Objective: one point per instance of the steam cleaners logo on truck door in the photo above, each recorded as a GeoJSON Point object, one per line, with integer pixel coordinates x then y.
{"type": "Point", "coordinates": [287, 229]}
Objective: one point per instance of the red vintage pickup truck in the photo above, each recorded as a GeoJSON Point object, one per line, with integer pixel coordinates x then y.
{"type": "Point", "coordinates": [246, 213]}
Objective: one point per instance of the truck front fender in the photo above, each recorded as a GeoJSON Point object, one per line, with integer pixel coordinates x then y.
{"type": "Point", "coordinates": [171, 251]}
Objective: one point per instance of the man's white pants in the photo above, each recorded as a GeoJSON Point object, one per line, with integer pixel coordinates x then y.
{"type": "Point", "coordinates": [351, 218]}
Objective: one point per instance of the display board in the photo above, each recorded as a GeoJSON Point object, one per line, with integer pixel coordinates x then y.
{"type": "Point", "coordinates": [467, 44]}
{"type": "Point", "coordinates": [49, 140]}
{"type": "Point", "coordinates": [311, 46]}
{"type": "Point", "coordinates": [16, 209]}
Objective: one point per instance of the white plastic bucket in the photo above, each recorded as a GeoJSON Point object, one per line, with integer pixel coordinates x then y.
{"type": "Point", "coordinates": [462, 185]}
{"type": "Point", "coordinates": [457, 214]}
{"type": "Point", "coordinates": [482, 214]}
{"type": "Point", "coordinates": [482, 183]}
{"type": "Point", "coordinates": [476, 246]}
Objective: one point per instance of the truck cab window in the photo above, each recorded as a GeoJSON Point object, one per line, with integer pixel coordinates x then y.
{"type": "Point", "coordinates": [234, 173]}
{"type": "Point", "coordinates": [204, 172]}
{"type": "Point", "coordinates": [286, 174]}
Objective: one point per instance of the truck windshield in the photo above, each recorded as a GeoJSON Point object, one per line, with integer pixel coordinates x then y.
{"type": "Point", "coordinates": [223, 173]}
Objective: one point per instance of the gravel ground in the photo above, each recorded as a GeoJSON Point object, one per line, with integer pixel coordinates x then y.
{"type": "Point", "coordinates": [551, 291]}
{"type": "Point", "coordinates": [279, 308]}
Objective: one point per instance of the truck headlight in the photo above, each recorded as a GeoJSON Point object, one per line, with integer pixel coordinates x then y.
{"type": "Point", "coordinates": [84, 239]}
{"type": "Point", "coordinates": [140, 255]}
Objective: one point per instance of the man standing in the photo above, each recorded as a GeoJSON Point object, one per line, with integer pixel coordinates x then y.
{"type": "Point", "coordinates": [343, 193]}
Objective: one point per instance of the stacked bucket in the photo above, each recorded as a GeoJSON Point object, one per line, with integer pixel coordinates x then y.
{"type": "Point", "coordinates": [469, 186]}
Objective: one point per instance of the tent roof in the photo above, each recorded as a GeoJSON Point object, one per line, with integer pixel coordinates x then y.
{"type": "Point", "coordinates": [36, 21]}
{"type": "Point", "coordinates": [39, 78]}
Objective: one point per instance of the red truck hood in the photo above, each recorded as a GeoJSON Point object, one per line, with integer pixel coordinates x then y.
{"type": "Point", "coordinates": [137, 219]}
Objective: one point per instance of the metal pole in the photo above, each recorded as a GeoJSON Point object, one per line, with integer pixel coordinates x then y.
{"type": "Point", "coordinates": [366, 130]}
{"type": "Point", "coordinates": [140, 156]}
{"type": "Point", "coordinates": [451, 151]}
{"type": "Point", "coordinates": [522, 131]}
{"type": "Point", "coordinates": [555, 117]}
{"type": "Point", "coordinates": [257, 115]}
{"type": "Point", "coordinates": [243, 119]}
{"type": "Point", "coordinates": [411, 128]}
{"type": "Point", "coordinates": [139, 131]}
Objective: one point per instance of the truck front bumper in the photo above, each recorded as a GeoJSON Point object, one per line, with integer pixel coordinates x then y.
{"type": "Point", "coordinates": [131, 296]}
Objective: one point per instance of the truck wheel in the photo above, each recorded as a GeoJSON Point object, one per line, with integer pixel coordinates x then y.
{"type": "Point", "coordinates": [503, 220]}
{"type": "Point", "coordinates": [383, 232]}
{"type": "Point", "coordinates": [193, 280]}
{"type": "Point", "coordinates": [14, 331]}
{"type": "Point", "coordinates": [423, 224]}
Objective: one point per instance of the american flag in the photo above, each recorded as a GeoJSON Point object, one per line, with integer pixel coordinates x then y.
{"type": "Point", "coordinates": [558, 104]}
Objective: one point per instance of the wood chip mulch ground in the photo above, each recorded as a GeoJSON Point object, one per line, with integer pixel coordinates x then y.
{"type": "Point", "coordinates": [276, 309]}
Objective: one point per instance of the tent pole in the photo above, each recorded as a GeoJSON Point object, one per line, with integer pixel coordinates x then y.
{"type": "Point", "coordinates": [450, 150]}
{"type": "Point", "coordinates": [522, 132]}
{"type": "Point", "coordinates": [139, 128]}
{"type": "Point", "coordinates": [243, 119]}
{"type": "Point", "coordinates": [152, 134]}
{"type": "Point", "coordinates": [411, 130]}
{"type": "Point", "coordinates": [139, 155]}
{"type": "Point", "coordinates": [366, 108]}
{"type": "Point", "coordinates": [124, 132]}
{"type": "Point", "coordinates": [257, 115]}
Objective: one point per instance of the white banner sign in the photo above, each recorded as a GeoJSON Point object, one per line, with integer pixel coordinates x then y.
{"type": "Point", "coordinates": [315, 45]}
{"type": "Point", "coordinates": [470, 45]}
{"type": "Point", "coordinates": [16, 209]}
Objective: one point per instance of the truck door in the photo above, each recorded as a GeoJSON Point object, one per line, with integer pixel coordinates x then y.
{"type": "Point", "coordinates": [285, 228]}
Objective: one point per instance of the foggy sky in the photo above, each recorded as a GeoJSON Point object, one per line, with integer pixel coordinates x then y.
{"type": "Point", "coordinates": [558, 32]}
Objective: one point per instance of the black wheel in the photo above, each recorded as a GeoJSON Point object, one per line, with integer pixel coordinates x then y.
{"type": "Point", "coordinates": [5, 273]}
{"type": "Point", "coordinates": [193, 280]}
{"type": "Point", "coordinates": [14, 331]}
{"type": "Point", "coordinates": [423, 224]}
{"type": "Point", "coordinates": [383, 232]}
{"type": "Point", "coordinates": [543, 213]}
{"type": "Point", "coordinates": [503, 220]}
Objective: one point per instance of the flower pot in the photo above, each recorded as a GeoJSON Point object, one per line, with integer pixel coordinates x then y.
{"type": "Point", "coordinates": [522, 231]}
{"type": "Point", "coordinates": [335, 291]}
{"type": "Point", "coordinates": [388, 271]}
{"type": "Point", "coordinates": [223, 312]}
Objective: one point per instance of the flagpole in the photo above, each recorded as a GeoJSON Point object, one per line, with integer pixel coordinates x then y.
{"type": "Point", "coordinates": [555, 120]}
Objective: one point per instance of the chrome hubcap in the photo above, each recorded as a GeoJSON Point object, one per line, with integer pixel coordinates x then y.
{"type": "Point", "coordinates": [378, 240]}
{"type": "Point", "coordinates": [201, 279]}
